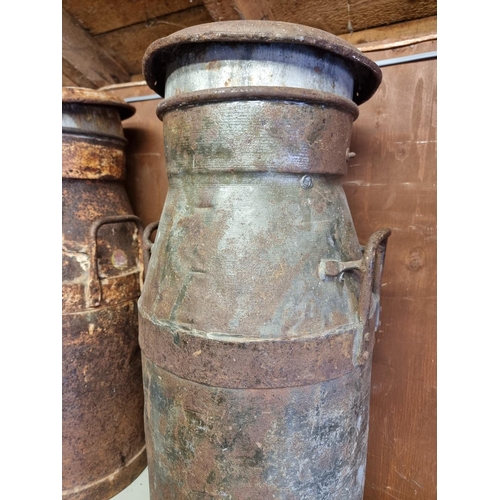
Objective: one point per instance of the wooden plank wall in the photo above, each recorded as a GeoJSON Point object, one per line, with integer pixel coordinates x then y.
{"type": "Point", "coordinates": [392, 183]}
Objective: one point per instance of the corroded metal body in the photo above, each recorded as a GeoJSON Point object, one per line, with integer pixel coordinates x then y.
{"type": "Point", "coordinates": [102, 432]}
{"type": "Point", "coordinates": [259, 309]}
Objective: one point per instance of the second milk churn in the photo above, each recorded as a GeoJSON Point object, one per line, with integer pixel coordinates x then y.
{"type": "Point", "coordinates": [103, 447]}
{"type": "Point", "coordinates": [259, 308]}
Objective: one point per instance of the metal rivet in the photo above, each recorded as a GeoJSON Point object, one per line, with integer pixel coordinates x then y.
{"type": "Point", "coordinates": [349, 155]}
{"type": "Point", "coordinates": [306, 182]}
{"type": "Point", "coordinates": [367, 337]}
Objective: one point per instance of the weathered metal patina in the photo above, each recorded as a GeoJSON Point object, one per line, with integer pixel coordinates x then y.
{"type": "Point", "coordinates": [102, 431]}
{"type": "Point", "coordinates": [259, 309]}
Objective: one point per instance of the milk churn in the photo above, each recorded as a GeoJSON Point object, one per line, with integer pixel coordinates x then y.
{"type": "Point", "coordinates": [259, 309]}
{"type": "Point", "coordinates": [102, 399]}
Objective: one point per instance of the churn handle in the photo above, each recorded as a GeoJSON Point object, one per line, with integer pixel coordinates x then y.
{"type": "Point", "coordinates": [94, 289]}
{"type": "Point", "coordinates": [372, 267]}
{"type": "Point", "coordinates": [147, 244]}
{"type": "Point", "coordinates": [373, 258]}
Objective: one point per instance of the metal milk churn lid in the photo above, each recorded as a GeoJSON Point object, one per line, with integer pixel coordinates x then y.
{"type": "Point", "coordinates": [102, 398]}
{"type": "Point", "coordinates": [259, 307]}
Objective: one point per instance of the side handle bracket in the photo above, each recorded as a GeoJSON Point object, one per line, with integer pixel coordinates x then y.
{"type": "Point", "coordinates": [370, 266]}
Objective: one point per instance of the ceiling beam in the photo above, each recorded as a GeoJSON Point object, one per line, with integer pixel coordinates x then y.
{"type": "Point", "coordinates": [394, 35]}
{"type": "Point", "coordinates": [85, 62]}
{"type": "Point", "coordinates": [102, 16]}
{"type": "Point", "coordinates": [129, 44]}
{"type": "Point", "coordinates": [334, 16]}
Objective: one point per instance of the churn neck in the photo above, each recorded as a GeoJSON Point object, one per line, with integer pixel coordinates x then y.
{"type": "Point", "coordinates": [93, 140]}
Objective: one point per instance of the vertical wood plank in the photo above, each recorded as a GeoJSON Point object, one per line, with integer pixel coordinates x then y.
{"type": "Point", "coordinates": [392, 182]}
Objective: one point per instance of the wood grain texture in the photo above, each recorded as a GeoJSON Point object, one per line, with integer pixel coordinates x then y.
{"type": "Point", "coordinates": [68, 82]}
{"type": "Point", "coordinates": [222, 10]}
{"type": "Point", "coordinates": [73, 77]}
{"type": "Point", "coordinates": [337, 16]}
{"type": "Point", "coordinates": [85, 61]}
{"type": "Point", "coordinates": [392, 183]}
{"type": "Point", "coordinates": [100, 16]}
{"type": "Point", "coordinates": [129, 44]}
{"type": "Point", "coordinates": [369, 14]}
{"type": "Point", "coordinates": [394, 34]}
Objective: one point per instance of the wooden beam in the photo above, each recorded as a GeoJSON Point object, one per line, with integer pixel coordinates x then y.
{"type": "Point", "coordinates": [222, 10]}
{"type": "Point", "coordinates": [260, 9]}
{"type": "Point", "coordinates": [85, 62]}
{"type": "Point", "coordinates": [336, 16]}
{"type": "Point", "coordinates": [77, 78]}
{"type": "Point", "coordinates": [68, 82]}
{"type": "Point", "coordinates": [101, 16]}
{"type": "Point", "coordinates": [129, 44]}
{"type": "Point", "coordinates": [395, 35]}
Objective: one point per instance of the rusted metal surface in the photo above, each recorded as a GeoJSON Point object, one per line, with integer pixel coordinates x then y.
{"type": "Point", "coordinates": [89, 97]}
{"type": "Point", "coordinates": [103, 436]}
{"type": "Point", "coordinates": [255, 93]}
{"type": "Point", "coordinates": [305, 442]}
{"type": "Point", "coordinates": [366, 74]}
{"type": "Point", "coordinates": [256, 353]}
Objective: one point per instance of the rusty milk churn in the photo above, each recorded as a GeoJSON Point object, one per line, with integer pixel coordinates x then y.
{"type": "Point", "coordinates": [102, 424]}
{"type": "Point", "coordinates": [259, 309]}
